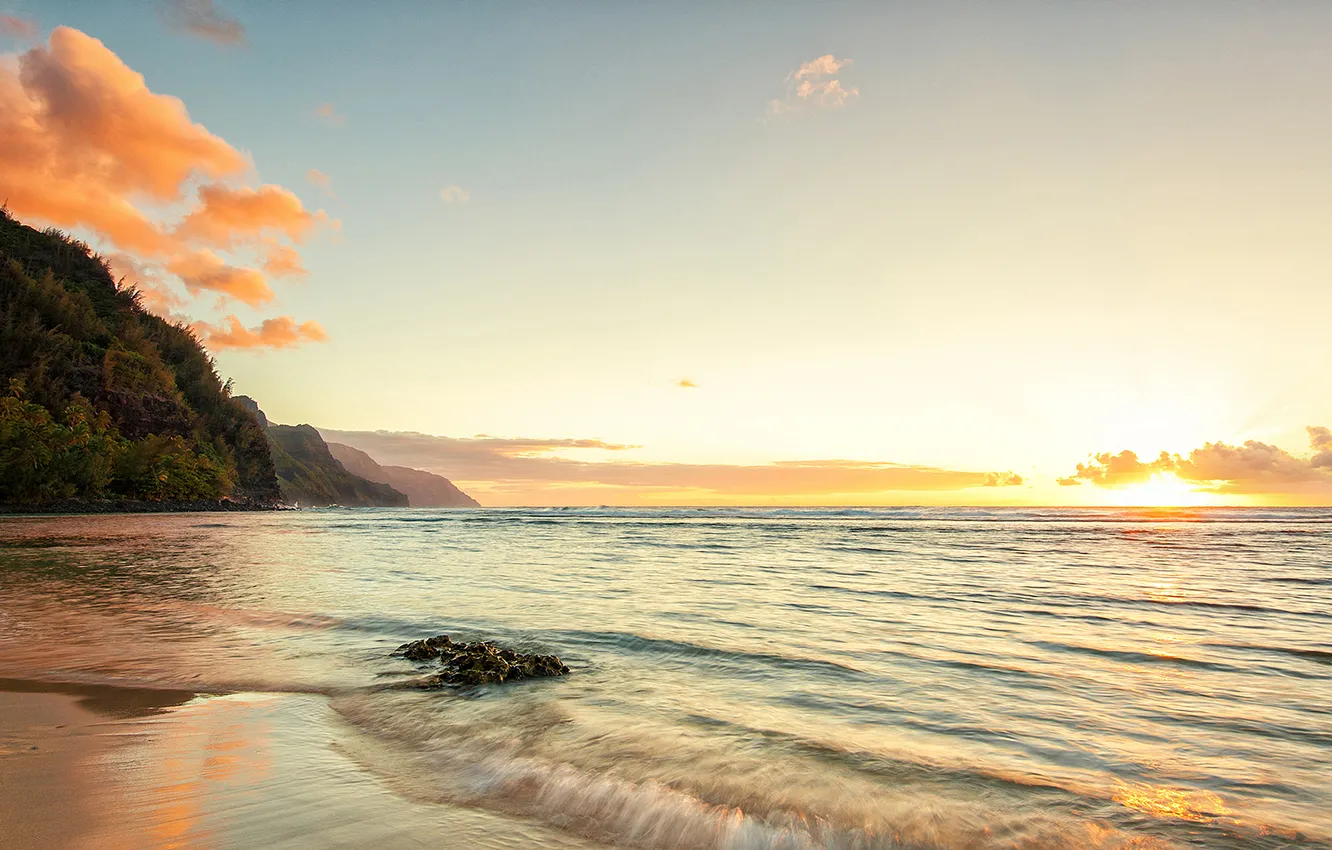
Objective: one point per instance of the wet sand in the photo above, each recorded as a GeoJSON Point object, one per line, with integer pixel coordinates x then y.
{"type": "Point", "coordinates": [102, 767]}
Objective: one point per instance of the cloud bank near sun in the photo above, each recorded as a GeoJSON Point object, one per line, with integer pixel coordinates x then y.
{"type": "Point", "coordinates": [536, 471]}
{"type": "Point", "coordinates": [1251, 469]}
{"type": "Point", "coordinates": [88, 145]}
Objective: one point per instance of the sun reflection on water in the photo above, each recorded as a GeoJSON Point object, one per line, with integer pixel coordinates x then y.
{"type": "Point", "coordinates": [1163, 802]}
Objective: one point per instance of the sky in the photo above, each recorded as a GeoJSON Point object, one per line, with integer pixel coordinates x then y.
{"type": "Point", "coordinates": [782, 253]}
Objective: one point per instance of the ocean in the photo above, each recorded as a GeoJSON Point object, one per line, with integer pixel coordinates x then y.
{"type": "Point", "coordinates": [740, 678]}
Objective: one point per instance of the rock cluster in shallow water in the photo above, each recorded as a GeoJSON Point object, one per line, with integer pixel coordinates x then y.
{"type": "Point", "coordinates": [479, 663]}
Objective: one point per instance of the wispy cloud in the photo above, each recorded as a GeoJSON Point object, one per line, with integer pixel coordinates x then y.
{"type": "Point", "coordinates": [279, 332]}
{"type": "Point", "coordinates": [1254, 468]}
{"type": "Point", "coordinates": [88, 145]}
{"type": "Point", "coordinates": [686, 384]}
{"type": "Point", "coordinates": [535, 471]}
{"type": "Point", "coordinates": [455, 195]}
{"type": "Point", "coordinates": [202, 19]}
{"type": "Point", "coordinates": [328, 113]}
{"type": "Point", "coordinates": [22, 29]}
{"type": "Point", "coordinates": [284, 261]}
{"type": "Point", "coordinates": [815, 85]}
{"type": "Point", "coordinates": [321, 181]}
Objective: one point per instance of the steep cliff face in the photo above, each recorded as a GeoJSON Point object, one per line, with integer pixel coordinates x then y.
{"type": "Point", "coordinates": [100, 399]}
{"type": "Point", "coordinates": [310, 475]}
{"type": "Point", "coordinates": [423, 489]}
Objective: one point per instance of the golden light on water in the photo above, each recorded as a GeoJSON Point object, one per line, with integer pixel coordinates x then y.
{"type": "Point", "coordinates": [1198, 806]}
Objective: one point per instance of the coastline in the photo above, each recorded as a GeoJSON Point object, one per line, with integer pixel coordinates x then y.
{"type": "Point", "coordinates": [132, 506]}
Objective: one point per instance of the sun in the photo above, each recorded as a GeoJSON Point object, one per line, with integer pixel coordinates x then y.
{"type": "Point", "coordinates": [1162, 490]}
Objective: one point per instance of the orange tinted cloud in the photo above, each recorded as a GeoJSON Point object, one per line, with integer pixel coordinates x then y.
{"type": "Point", "coordinates": [823, 66]}
{"type": "Point", "coordinates": [329, 114]}
{"type": "Point", "coordinates": [202, 19]}
{"type": "Point", "coordinates": [89, 116]}
{"type": "Point", "coordinates": [686, 384]}
{"type": "Point", "coordinates": [20, 28]}
{"type": "Point", "coordinates": [813, 85]}
{"type": "Point", "coordinates": [84, 142]}
{"type": "Point", "coordinates": [284, 261]}
{"type": "Point", "coordinates": [205, 271]}
{"type": "Point", "coordinates": [226, 214]}
{"type": "Point", "coordinates": [516, 471]}
{"type": "Point", "coordinates": [1254, 468]}
{"type": "Point", "coordinates": [82, 133]}
{"type": "Point", "coordinates": [280, 332]}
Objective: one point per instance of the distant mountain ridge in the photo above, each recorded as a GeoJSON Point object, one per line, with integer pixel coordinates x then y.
{"type": "Point", "coordinates": [309, 475]}
{"type": "Point", "coordinates": [423, 489]}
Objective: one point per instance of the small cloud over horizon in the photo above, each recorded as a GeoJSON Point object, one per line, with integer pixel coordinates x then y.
{"type": "Point", "coordinates": [814, 85]}
{"type": "Point", "coordinates": [202, 19]}
{"type": "Point", "coordinates": [455, 195]}
{"type": "Point", "coordinates": [328, 113]}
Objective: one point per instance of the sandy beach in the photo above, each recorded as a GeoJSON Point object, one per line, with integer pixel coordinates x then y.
{"type": "Point", "coordinates": [105, 767]}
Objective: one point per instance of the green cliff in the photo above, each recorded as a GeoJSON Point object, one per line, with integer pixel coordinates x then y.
{"type": "Point", "coordinates": [102, 400]}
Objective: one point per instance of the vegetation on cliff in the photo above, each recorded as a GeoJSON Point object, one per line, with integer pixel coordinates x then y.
{"type": "Point", "coordinates": [104, 400]}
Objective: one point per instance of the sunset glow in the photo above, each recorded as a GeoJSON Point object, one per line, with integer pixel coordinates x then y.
{"type": "Point", "coordinates": [1164, 490]}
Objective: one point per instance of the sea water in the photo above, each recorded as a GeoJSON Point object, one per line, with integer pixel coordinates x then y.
{"type": "Point", "coordinates": [749, 678]}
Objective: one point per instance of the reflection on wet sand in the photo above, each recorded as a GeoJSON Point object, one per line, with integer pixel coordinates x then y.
{"type": "Point", "coordinates": [86, 767]}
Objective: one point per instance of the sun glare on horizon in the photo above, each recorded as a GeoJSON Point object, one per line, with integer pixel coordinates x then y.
{"type": "Point", "coordinates": [1162, 490]}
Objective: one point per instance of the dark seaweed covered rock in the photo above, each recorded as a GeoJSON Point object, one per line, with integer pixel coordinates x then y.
{"type": "Point", "coordinates": [479, 663]}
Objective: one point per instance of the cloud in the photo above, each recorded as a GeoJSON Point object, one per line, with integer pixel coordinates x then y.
{"type": "Point", "coordinates": [280, 332]}
{"type": "Point", "coordinates": [686, 384]}
{"type": "Point", "coordinates": [88, 146]}
{"type": "Point", "coordinates": [1254, 468]}
{"type": "Point", "coordinates": [322, 181]}
{"type": "Point", "coordinates": [1320, 439]}
{"type": "Point", "coordinates": [455, 195]}
{"type": "Point", "coordinates": [228, 215]}
{"type": "Point", "coordinates": [824, 66]}
{"type": "Point", "coordinates": [19, 28]}
{"type": "Point", "coordinates": [284, 261]}
{"type": "Point", "coordinates": [1003, 479]}
{"type": "Point", "coordinates": [84, 134]}
{"type": "Point", "coordinates": [201, 19]}
{"type": "Point", "coordinates": [528, 470]}
{"type": "Point", "coordinates": [327, 113]}
{"type": "Point", "coordinates": [813, 86]}
{"type": "Point", "coordinates": [205, 271]}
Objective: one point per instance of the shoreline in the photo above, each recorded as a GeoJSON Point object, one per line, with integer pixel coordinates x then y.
{"type": "Point", "coordinates": [131, 506]}
{"type": "Point", "coordinates": [94, 766]}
